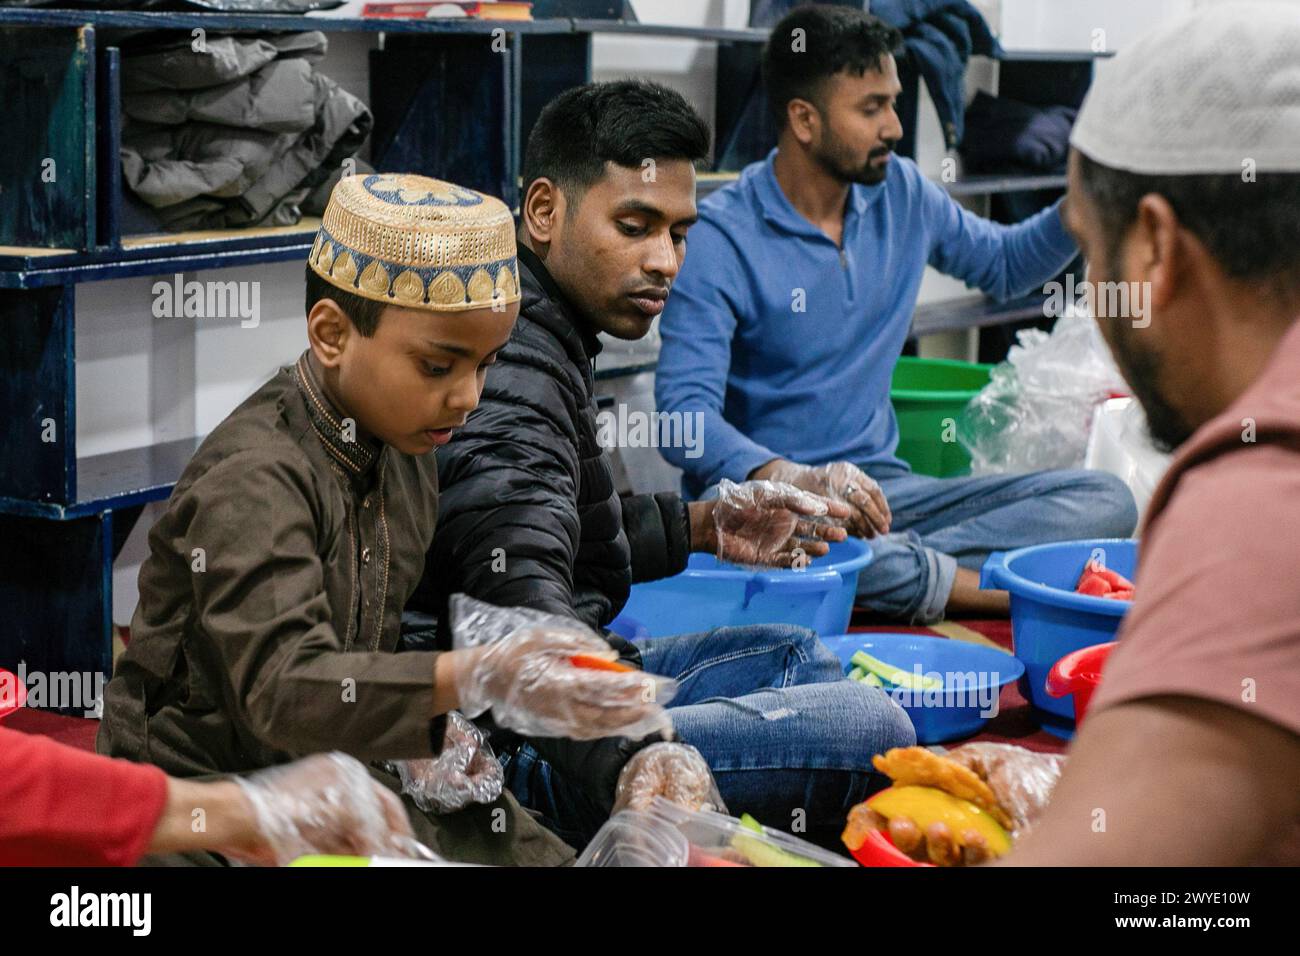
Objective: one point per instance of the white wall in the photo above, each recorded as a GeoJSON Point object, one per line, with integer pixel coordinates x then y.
{"type": "Point", "coordinates": [142, 380]}
{"type": "Point", "coordinates": [1069, 24]}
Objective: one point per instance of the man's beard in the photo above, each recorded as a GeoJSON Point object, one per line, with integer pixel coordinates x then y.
{"type": "Point", "coordinates": [1141, 368]}
{"type": "Point", "coordinates": [834, 158]}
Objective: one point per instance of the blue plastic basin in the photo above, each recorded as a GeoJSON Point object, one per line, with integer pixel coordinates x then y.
{"type": "Point", "coordinates": [973, 677]}
{"type": "Point", "coordinates": [711, 594]}
{"type": "Point", "coordinates": [628, 628]}
{"type": "Point", "coordinates": [1049, 620]}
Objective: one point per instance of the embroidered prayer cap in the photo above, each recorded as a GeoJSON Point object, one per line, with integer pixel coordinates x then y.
{"type": "Point", "coordinates": [1217, 91]}
{"type": "Point", "coordinates": [418, 243]}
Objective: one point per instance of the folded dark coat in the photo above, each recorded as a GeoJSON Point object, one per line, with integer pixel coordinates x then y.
{"type": "Point", "coordinates": [247, 147]}
{"type": "Point", "coordinates": [1004, 134]}
{"type": "Point", "coordinates": [276, 98]}
{"type": "Point", "coordinates": [177, 65]}
{"type": "Point", "coordinates": [941, 36]}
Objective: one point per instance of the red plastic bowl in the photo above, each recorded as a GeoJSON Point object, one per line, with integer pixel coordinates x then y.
{"type": "Point", "coordinates": [12, 693]}
{"type": "Point", "coordinates": [1079, 673]}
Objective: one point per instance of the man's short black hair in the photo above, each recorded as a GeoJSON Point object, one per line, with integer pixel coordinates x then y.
{"type": "Point", "coordinates": [623, 122]}
{"type": "Point", "coordinates": [363, 312]}
{"type": "Point", "coordinates": [796, 65]}
{"type": "Point", "coordinates": [1251, 228]}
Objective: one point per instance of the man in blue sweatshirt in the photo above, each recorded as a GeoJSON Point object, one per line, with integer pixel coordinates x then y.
{"type": "Point", "coordinates": [793, 306]}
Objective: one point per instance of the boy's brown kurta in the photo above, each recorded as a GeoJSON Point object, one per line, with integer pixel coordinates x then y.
{"type": "Point", "coordinates": [270, 608]}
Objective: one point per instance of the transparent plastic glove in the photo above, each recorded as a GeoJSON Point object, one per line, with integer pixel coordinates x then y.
{"type": "Point", "coordinates": [324, 804]}
{"type": "Point", "coordinates": [465, 772]}
{"type": "Point", "coordinates": [527, 668]}
{"type": "Point", "coordinates": [840, 481]}
{"type": "Point", "coordinates": [675, 771]}
{"type": "Point", "coordinates": [771, 524]}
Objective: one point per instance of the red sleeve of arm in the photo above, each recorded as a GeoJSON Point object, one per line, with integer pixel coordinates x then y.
{"type": "Point", "coordinates": [60, 806]}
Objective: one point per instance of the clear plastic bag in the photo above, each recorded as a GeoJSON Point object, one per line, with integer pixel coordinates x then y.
{"type": "Point", "coordinates": [1036, 412]}
{"type": "Point", "coordinates": [1022, 780]}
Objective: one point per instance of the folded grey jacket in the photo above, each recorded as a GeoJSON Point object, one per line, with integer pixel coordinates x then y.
{"type": "Point", "coordinates": [236, 134]}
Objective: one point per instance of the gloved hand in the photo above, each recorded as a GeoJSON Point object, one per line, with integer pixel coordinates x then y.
{"type": "Point", "coordinates": [839, 481]}
{"type": "Point", "coordinates": [769, 523]}
{"type": "Point", "coordinates": [326, 803]}
{"type": "Point", "coordinates": [530, 682]}
{"type": "Point", "coordinates": [675, 771]}
{"type": "Point", "coordinates": [465, 772]}
{"type": "Point", "coordinates": [1021, 780]}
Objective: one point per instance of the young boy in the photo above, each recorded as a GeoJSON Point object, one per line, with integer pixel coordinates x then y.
{"type": "Point", "coordinates": [270, 602]}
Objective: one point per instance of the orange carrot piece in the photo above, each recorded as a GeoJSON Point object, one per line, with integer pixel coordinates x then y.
{"type": "Point", "coordinates": [590, 662]}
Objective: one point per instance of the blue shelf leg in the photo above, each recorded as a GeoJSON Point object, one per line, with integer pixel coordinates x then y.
{"type": "Point", "coordinates": [38, 411]}
{"type": "Point", "coordinates": [56, 584]}
{"type": "Point", "coordinates": [108, 164]}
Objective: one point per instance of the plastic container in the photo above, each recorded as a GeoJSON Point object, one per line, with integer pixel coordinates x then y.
{"type": "Point", "coordinates": [973, 678]}
{"type": "Point", "coordinates": [1078, 674]}
{"type": "Point", "coordinates": [12, 693]}
{"type": "Point", "coordinates": [925, 392]}
{"type": "Point", "coordinates": [636, 838]}
{"type": "Point", "coordinates": [1049, 620]}
{"type": "Point", "coordinates": [669, 835]}
{"type": "Point", "coordinates": [328, 860]}
{"type": "Point", "coordinates": [711, 594]}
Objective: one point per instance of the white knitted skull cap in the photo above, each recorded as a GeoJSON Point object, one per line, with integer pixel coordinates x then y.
{"type": "Point", "coordinates": [1217, 91]}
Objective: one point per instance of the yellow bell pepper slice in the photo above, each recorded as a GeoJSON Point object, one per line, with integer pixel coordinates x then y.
{"type": "Point", "coordinates": [927, 805]}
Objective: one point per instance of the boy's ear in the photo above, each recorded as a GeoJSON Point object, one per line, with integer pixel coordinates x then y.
{"type": "Point", "coordinates": [328, 330]}
{"type": "Point", "coordinates": [541, 209]}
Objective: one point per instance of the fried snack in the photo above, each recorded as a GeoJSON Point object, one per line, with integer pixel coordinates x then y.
{"type": "Point", "coordinates": [918, 767]}
{"type": "Point", "coordinates": [862, 820]}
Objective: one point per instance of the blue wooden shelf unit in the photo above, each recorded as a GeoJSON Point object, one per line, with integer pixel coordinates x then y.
{"type": "Point", "coordinates": [451, 106]}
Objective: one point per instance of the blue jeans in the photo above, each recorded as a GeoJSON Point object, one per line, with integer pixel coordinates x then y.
{"type": "Point", "coordinates": [789, 740]}
{"type": "Point", "coordinates": [941, 524]}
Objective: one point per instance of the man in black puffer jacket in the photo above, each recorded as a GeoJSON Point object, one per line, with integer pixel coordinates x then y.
{"type": "Point", "coordinates": [529, 515]}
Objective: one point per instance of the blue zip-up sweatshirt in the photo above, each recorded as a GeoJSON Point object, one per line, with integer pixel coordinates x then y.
{"type": "Point", "coordinates": [786, 344]}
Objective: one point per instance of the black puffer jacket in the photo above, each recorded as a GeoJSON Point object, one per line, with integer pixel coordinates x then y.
{"type": "Point", "coordinates": [528, 514]}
